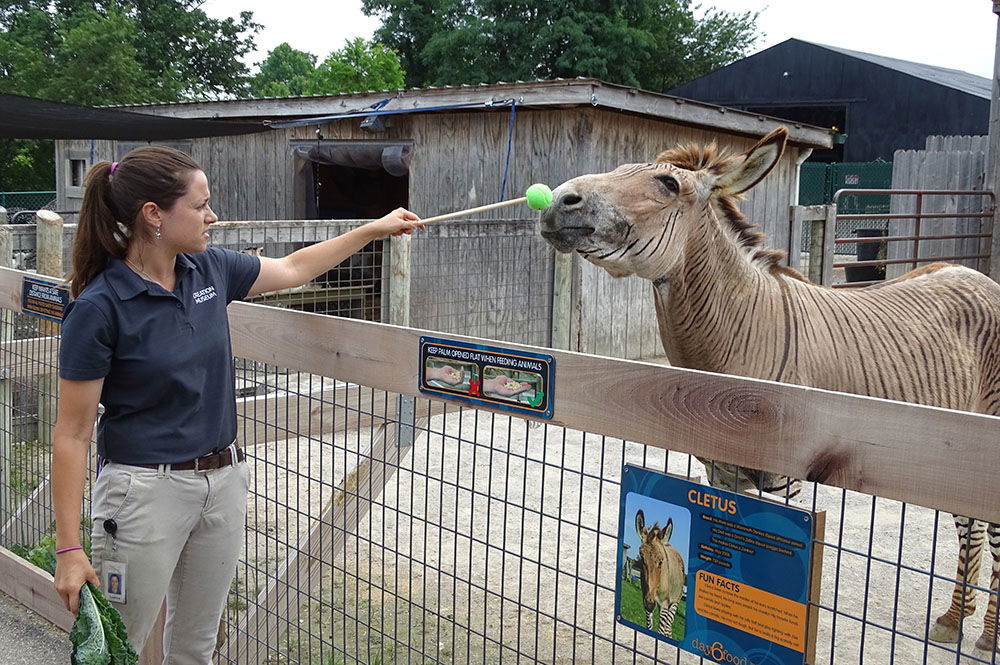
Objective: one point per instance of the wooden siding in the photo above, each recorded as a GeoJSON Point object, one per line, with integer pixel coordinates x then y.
{"type": "Point", "coordinates": [957, 163]}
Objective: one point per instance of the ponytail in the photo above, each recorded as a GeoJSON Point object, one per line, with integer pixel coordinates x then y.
{"type": "Point", "coordinates": [98, 237]}
{"type": "Point", "coordinates": [114, 194]}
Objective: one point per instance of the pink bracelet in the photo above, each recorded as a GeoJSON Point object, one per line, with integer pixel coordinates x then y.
{"type": "Point", "coordinates": [69, 549]}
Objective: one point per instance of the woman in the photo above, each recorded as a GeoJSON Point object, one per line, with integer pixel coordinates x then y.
{"type": "Point", "coordinates": [147, 336]}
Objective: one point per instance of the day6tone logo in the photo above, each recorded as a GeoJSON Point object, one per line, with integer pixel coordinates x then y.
{"type": "Point", "coordinates": [719, 653]}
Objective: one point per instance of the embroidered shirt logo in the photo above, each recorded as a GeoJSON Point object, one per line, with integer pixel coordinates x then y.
{"type": "Point", "coordinates": [205, 294]}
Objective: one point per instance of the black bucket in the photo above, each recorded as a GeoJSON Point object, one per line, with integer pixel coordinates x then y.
{"type": "Point", "coordinates": [868, 251]}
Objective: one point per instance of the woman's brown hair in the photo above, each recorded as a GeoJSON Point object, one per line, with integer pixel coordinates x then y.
{"type": "Point", "coordinates": [112, 200]}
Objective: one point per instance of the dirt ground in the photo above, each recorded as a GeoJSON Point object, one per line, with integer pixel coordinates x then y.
{"type": "Point", "coordinates": [496, 540]}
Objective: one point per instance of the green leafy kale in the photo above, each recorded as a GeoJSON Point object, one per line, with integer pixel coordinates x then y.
{"type": "Point", "coordinates": [98, 634]}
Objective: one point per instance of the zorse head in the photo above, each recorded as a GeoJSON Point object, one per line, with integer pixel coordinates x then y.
{"type": "Point", "coordinates": [637, 218]}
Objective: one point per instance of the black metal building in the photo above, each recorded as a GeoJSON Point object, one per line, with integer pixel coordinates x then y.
{"type": "Point", "coordinates": [881, 104]}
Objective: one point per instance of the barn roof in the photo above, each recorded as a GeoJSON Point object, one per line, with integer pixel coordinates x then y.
{"type": "Point", "coordinates": [953, 78]}
{"type": "Point", "coordinates": [553, 94]}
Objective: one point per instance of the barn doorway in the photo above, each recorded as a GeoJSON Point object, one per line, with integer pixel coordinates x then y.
{"type": "Point", "coordinates": [353, 181]}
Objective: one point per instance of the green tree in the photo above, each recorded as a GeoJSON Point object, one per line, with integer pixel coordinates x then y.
{"type": "Point", "coordinates": [408, 25]}
{"type": "Point", "coordinates": [357, 67]}
{"type": "Point", "coordinates": [114, 52]}
{"type": "Point", "coordinates": [653, 44]}
{"type": "Point", "coordinates": [285, 72]}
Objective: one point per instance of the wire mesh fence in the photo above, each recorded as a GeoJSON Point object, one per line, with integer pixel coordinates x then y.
{"type": "Point", "coordinates": [16, 202]}
{"type": "Point", "coordinates": [489, 539]}
{"type": "Point", "coordinates": [489, 279]}
{"type": "Point", "coordinates": [28, 395]}
{"type": "Point", "coordinates": [819, 182]}
{"type": "Point", "coordinates": [353, 289]}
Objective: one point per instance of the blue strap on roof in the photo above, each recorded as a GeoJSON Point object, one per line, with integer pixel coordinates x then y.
{"type": "Point", "coordinates": [510, 140]}
{"type": "Point", "coordinates": [364, 114]}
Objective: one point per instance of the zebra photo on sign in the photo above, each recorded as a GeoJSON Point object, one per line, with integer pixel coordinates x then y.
{"type": "Point", "coordinates": [654, 562]}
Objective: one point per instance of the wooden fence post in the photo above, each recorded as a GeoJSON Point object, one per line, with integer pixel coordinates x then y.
{"type": "Point", "coordinates": [49, 244]}
{"type": "Point", "coordinates": [821, 247]}
{"type": "Point", "coordinates": [562, 301]}
{"type": "Point", "coordinates": [796, 220]}
{"type": "Point", "coordinates": [817, 231]}
{"type": "Point", "coordinates": [400, 250]}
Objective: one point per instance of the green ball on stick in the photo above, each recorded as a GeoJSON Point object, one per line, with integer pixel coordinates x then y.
{"type": "Point", "coordinates": [539, 196]}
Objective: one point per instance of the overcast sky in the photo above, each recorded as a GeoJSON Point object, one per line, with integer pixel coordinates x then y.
{"type": "Point", "coordinates": [958, 34]}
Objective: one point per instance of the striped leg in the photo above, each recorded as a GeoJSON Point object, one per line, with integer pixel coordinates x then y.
{"type": "Point", "coordinates": [649, 619]}
{"type": "Point", "coordinates": [948, 626]}
{"type": "Point", "coordinates": [988, 640]}
{"type": "Point", "coordinates": [667, 619]}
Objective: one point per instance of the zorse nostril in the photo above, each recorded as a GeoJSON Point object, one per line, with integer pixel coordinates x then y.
{"type": "Point", "coordinates": [571, 200]}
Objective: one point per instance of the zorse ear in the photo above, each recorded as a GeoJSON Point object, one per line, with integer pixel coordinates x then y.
{"type": "Point", "coordinates": [758, 162]}
{"type": "Point", "coordinates": [667, 531]}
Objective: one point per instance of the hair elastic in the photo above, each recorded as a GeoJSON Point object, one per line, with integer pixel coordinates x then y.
{"type": "Point", "coordinates": [114, 165]}
{"type": "Point", "coordinates": [69, 549]}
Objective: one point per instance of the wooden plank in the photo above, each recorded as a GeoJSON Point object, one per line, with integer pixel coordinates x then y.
{"type": "Point", "coordinates": [879, 447]}
{"type": "Point", "coordinates": [33, 588]}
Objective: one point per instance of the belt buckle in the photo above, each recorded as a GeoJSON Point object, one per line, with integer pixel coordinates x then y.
{"type": "Point", "coordinates": [197, 464]}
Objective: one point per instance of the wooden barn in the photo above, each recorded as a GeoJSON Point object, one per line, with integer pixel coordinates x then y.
{"type": "Point", "coordinates": [878, 104]}
{"type": "Point", "coordinates": [357, 156]}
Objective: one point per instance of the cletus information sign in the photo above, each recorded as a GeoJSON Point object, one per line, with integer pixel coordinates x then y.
{"type": "Point", "coordinates": [725, 576]}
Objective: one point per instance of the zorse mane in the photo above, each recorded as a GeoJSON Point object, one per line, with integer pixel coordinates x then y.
{"type": "Point", "coordinates": [710, 158]}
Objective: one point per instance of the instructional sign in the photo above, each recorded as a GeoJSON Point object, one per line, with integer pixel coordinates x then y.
{"type": "Point", "coordinates": [47, 300]}
{"type": "Point", "coordinates": [725, 576]}
{"type": "Point", "coordinates": [518, 381]}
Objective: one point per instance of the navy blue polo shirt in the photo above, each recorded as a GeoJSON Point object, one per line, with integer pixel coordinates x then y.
{"type": "Point", "coordinates": [165, 357]}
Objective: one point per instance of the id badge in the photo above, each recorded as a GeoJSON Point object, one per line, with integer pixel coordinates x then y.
{"type": "Point", "coordinates": [115, 580]}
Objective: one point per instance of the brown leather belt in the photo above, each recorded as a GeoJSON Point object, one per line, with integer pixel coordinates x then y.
{"type": "Point", "coordinates": [208, 462]}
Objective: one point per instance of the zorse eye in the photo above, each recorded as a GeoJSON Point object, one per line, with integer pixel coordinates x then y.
{"type": "Point", "coordinates": [669, 183]}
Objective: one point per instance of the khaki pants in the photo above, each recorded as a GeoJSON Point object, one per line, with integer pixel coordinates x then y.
{"type": "Point", "coordinates": [179, 533]}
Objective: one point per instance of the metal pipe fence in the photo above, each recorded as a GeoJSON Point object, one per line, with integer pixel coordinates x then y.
{"type": "Point", "coordinates": [924, 226]}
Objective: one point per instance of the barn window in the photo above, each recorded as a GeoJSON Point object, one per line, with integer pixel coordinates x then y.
{"type": "Point", "coordinates": [77, 170]}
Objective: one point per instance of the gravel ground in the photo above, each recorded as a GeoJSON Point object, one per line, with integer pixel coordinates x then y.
{"type": "Point", "coordinates": [28, 638]}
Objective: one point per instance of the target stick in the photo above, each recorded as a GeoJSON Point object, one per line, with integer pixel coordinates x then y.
{"type": "Point", "coordinates": [538, 197]}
